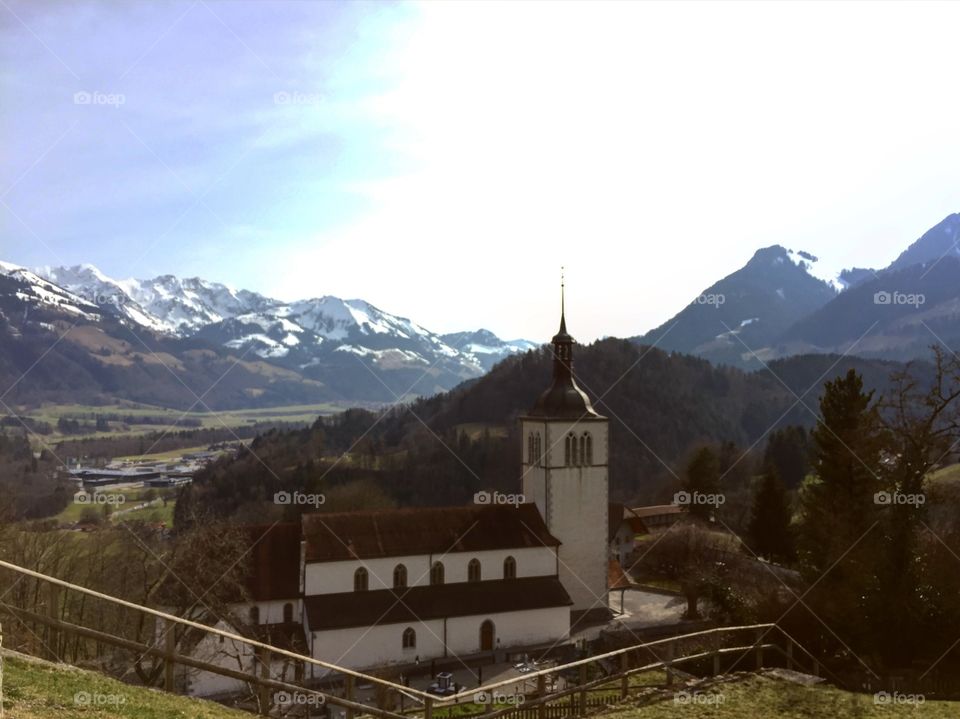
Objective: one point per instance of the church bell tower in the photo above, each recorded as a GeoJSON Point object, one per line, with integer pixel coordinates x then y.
{"type": "Point", "coordinates": [565, 450]}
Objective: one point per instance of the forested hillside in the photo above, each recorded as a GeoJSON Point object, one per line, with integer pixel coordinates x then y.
{"type": "Point", "coordinates": [443, 449]}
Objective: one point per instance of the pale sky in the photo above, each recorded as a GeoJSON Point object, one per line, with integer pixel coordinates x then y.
{"type": "Point", "coordinates": [442, 160]}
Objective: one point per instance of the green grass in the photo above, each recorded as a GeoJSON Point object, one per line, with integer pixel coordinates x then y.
{"type": "Point", "coordinates": [764, 697]}
{"type": "Point", "coordinates": [39, 690]}
{"type": "Point", "coordinates": [156, 512]}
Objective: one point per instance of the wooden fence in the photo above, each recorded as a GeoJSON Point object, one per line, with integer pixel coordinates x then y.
{"type": "Point", "coordinates": [568, 690]}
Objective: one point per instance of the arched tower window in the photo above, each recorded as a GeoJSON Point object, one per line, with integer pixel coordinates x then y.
{"type": "Point", "coordinates": [567, 455]}
{"type": "Point", "coordinates": [473, 571]}
{"type": "Point", "coordinates": [574, 454]}
{"type": "Point", "coordinates": [361, 580]}
{"type": "Point", "coordinates": [588, 449]}
{"type": "Point", "coordinates": [436, 573]}
{"type": "Point", "coordinates": [531, 450]}
{"type": "Point", "coordinates": [254, 615]}
{"type": "Point", "coordinates": [399, 577]}
{"type": "Point", "coordinates": [509, 568]}
{"type": "Point", "coordinates": [409, 638]}
{"type": "Point", "coordinates": [538, 449]}
{"type": "Point", "coordinates": [288, 613]}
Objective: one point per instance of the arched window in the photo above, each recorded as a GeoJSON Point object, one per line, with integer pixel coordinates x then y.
{"type": "Point", "coordinates": [574, 456]}
{"type": "Point", "coordinates": [409, 638]}
{"type": "Point", "coordinates": [473, 570]}
{"type": "Point", "coordinates": [436, 573]}
{"type": "Point", "coordinates": [538, 450]}
{"type": "Point", "coordinates": [361, 580]}
{"type": "Point", "coordinates": [509, 568]}
{"type": "Point", "coordinates": [254, 615]}
{"type": "Point", "coordinates": [288, 613]}
{"type": "Point", "coordinates": [531, 450]}
{"type": "Point", "coordinates": [399, 577]}
{"type": "Point", "coordinates": [566, 450]}
{"type": "Point", "coordinates": [588, 449]}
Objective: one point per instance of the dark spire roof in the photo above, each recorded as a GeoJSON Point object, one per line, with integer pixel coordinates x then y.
{"type": "Point", "coordinates": [564, 399]}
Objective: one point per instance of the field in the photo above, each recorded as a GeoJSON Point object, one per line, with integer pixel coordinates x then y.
{"type": "Point", "coordinates": [162, 418]}
{"type": "Point", "coordinates": [156, 512]}
{"type": "Point", "coordinates": [38, 690]}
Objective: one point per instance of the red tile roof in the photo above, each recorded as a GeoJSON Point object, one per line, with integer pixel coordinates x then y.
{"type": "Point", "coordinates": [274, 562]}
{"type": "Point", "coordinates": [460, 599]}
{"type": "Point", "coordinates": [426, 530]}
{"type": "Point", "coordinates": [616, 577]}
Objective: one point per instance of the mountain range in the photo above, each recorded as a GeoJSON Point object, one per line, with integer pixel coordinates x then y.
{"type": "Point", "coordinates": [779, 305]}
{"type": "Point", "coordinates": [113, 331]}
{"type": "Point", "coordinates": [170, 341]}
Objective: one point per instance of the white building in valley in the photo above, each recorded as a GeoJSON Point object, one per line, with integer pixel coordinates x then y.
{"type": "Point", "coordinates": [371, 589]}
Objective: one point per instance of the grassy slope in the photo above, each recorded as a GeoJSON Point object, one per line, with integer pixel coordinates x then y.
{"type": "Point", "coordinates": [38, 690]}
{"type": "Point", "coordinates": [762, 697]}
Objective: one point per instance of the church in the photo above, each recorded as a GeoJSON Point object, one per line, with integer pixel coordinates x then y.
{"type": "Point", "coordinates": [374, 589]}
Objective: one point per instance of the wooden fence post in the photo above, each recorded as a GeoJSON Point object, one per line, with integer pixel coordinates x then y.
{"type": "Point", "coordinates": [716, 653]}
{"type": "Point", "coordinates": [349, 692]}
{"type": "Point", "coordinates": [625, 680]}
{"type": "Point", "coordinates": [53, 611]}
{"type": "Point", "coordinates": [428, 708]}
{"type": "Point", "coordinates": [759, 649]}
{"type": "Point", "coordinates": [583, 691]}
{"type": "Point", "coordinates": [542, 696]}
{"type": "Point", "coordinates": [170, 647]}
{"type": "Point", "coordinates": [264, 656]}
{"type": "Point", "coordinates": [668, 663]}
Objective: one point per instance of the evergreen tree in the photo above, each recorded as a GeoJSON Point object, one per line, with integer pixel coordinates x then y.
{"type": "Point", "coordinates": [769, 530]}
{"type": "Point", "coordinates": [703, 478]}
{"type": "Point", "coordinates": [788, 450]}
{"type": "Point", "coordinates": [839, 538]}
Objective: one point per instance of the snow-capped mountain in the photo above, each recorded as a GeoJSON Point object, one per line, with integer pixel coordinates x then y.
{"type": "Point", "coordinates": [745, 311]}
{"type": "Point", "coordinates": [163, 304]}
{"type": "Point", "coordinates": [319, 337]}
{"type": "Point", "coordinates": [33, 291]}
{"type": "Point", "coordinates": [485, 347]}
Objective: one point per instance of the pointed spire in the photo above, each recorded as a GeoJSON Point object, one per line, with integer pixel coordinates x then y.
{"type": "Point", "coordinates": [563, 313]}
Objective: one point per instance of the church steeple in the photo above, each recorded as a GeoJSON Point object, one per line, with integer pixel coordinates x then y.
{"type": "Point", "coordinates": [564, 399]}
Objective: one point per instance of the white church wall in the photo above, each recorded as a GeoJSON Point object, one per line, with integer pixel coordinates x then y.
{"type": "Point", "coordinates": [367, 647]}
